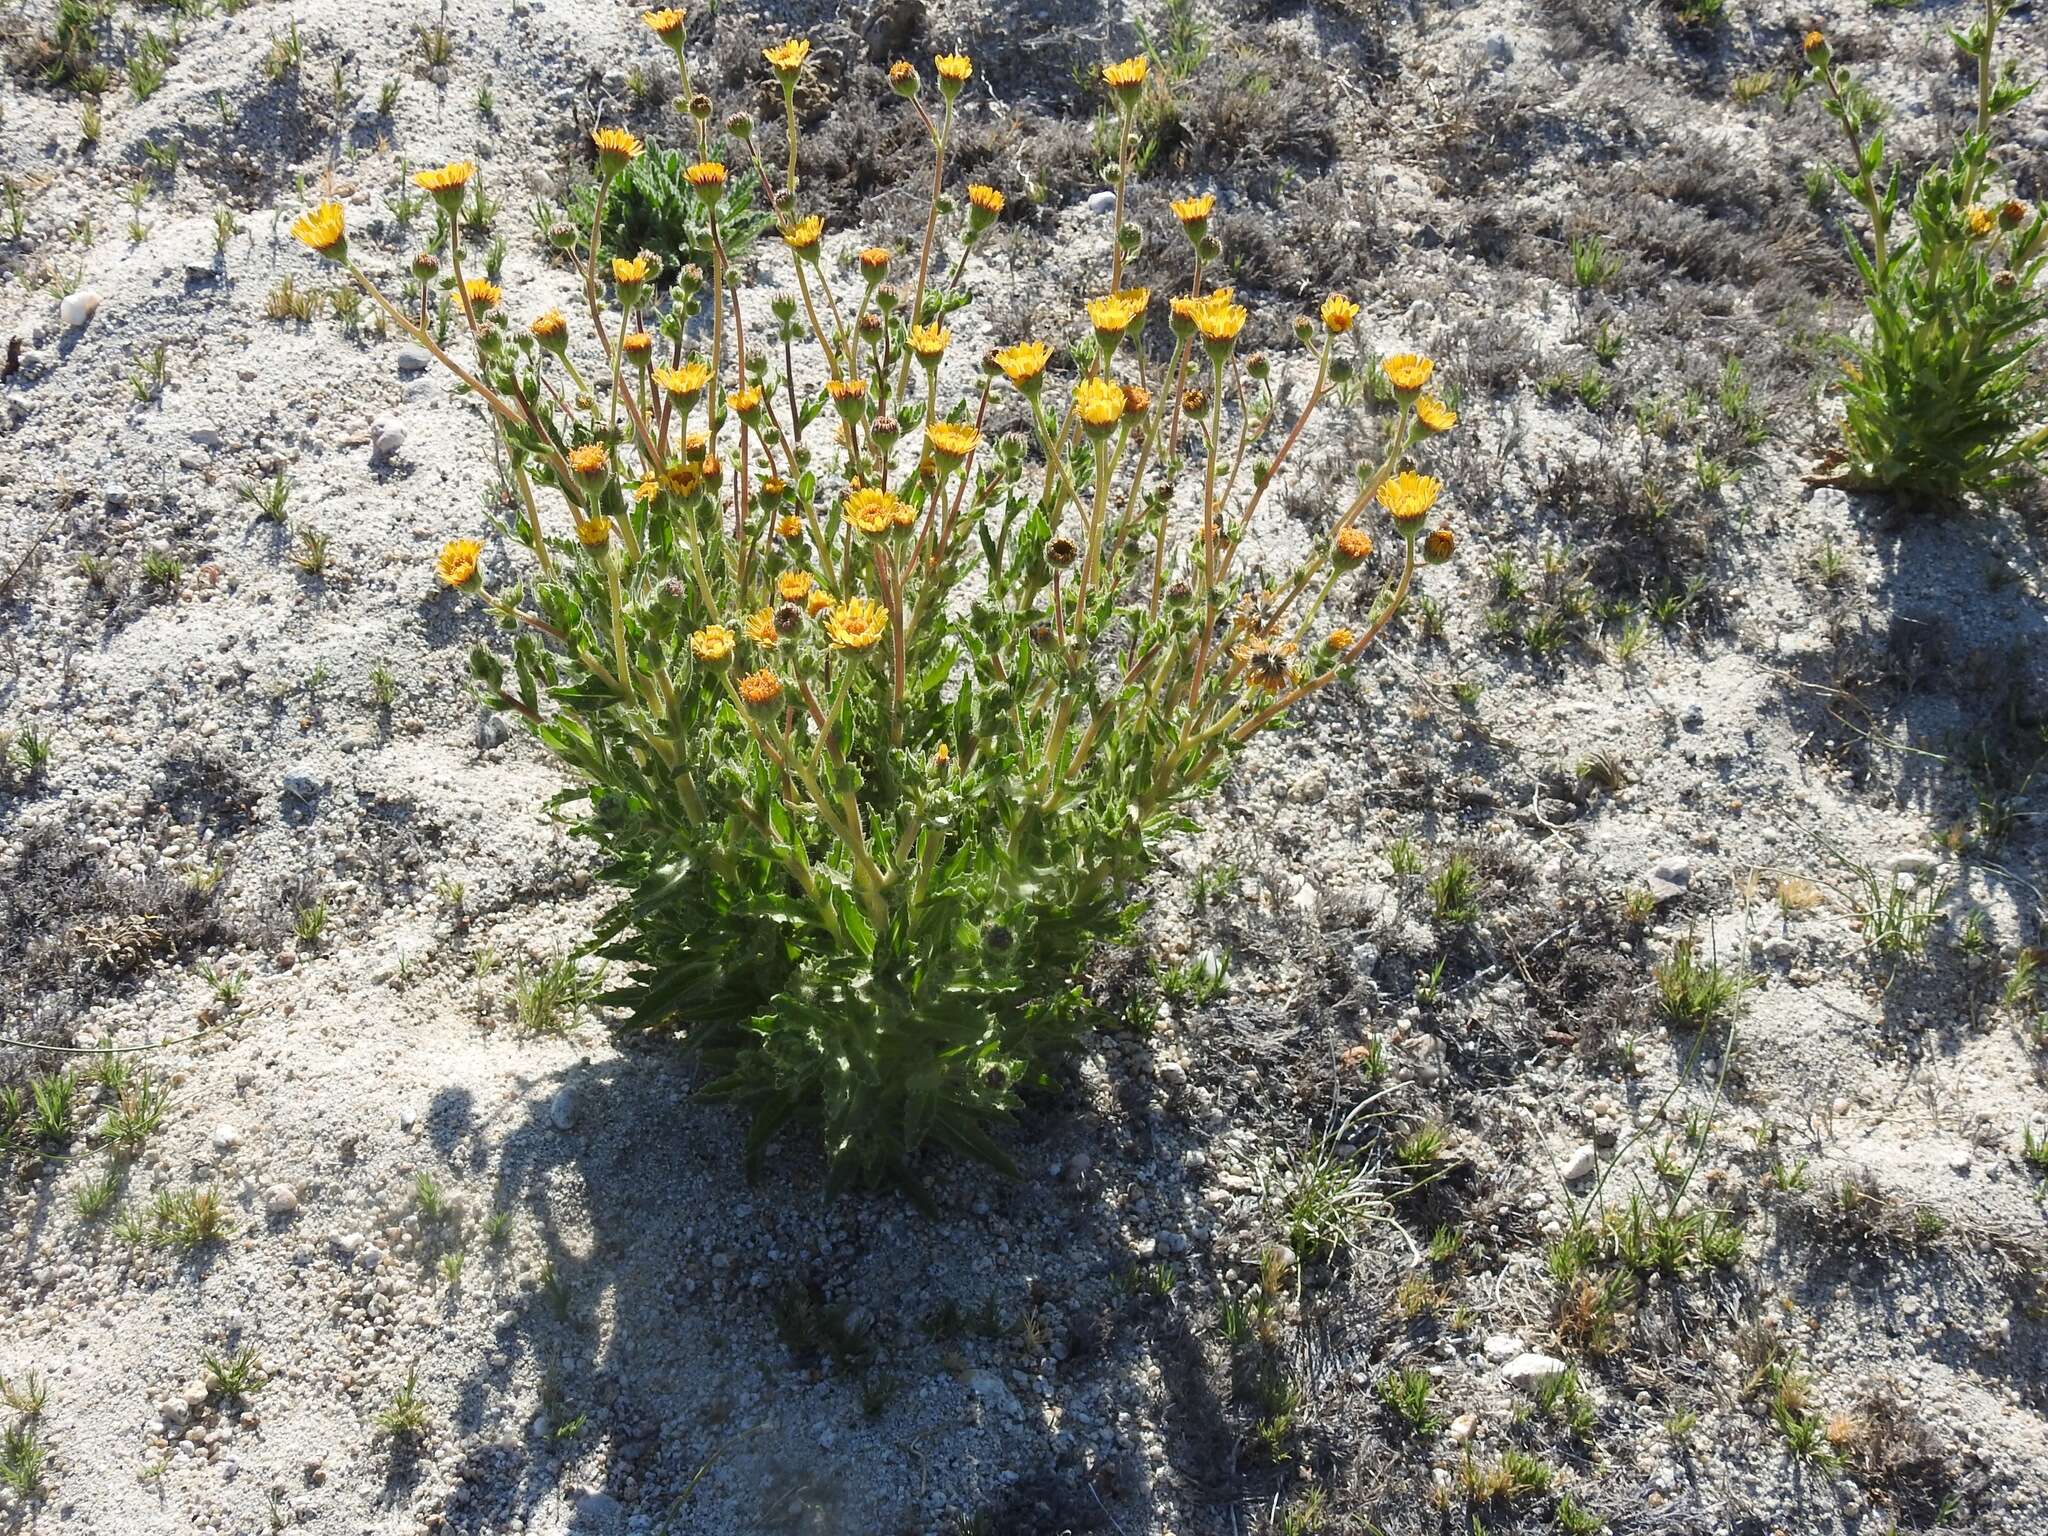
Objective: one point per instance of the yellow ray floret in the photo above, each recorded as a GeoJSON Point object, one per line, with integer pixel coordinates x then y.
{"type": "Point", "coordinates": [856, 624]}
{"type": "Point", "coordinates": [787, 58]}
{"type": "Point", "coordinates": [1407, 498]}
{"type": "Point", "coordinates": [712, 644]}
{"type": "Point", "coordinates": [1023, 362]}
{"type": "Point", "coordinates": [1407, 372]}
{"type": "Point", "coordinates": [458, 561]}
{"type": "Point", "coordinates": [323, 229]}
{"type": "Point", "coordinates": [1099, 403]}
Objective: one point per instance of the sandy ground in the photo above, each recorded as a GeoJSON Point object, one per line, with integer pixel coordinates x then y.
{"type": "Point", "coordinates": [1754, 717]}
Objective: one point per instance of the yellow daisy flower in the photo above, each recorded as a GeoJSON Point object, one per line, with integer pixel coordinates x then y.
{"type": "Point", "coordinates": [872, 511]}
{"type": "Point", "coordinates": [856, 624]}
{"type": "Point", "coordinates": [951, 441]}
{"type": "Point", "coordinates": [1407, 498]}
{"type": "Point", "coordinates": [1024, 362]}
{"type": "Point", "coordinates": [1099, 403]}
{"type": "Point", "coordinates": [1434, 415]}
{"type": "Point", "coordinates": [794, 586]}
{"type": "Point", "coordinates": [1338, 313]}
{"type": "Point", "coordinates": [1407, 372]}
{"type": "Point", "coordinates": [712, 645]}
{"type": "Point", "coordinates": [788, 58]}
{"type": "Point", "coordinates": [324, 229]}
{"type": "Point", "coordinates": [802, 236]}
{"type": "Point", "coordinates": [457, 565]}
{"type": "Point", "coordinates": [760, 626]}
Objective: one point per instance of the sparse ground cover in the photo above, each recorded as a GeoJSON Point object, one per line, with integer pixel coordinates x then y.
{"type": "Point", "coordinates": [1586, 1076]}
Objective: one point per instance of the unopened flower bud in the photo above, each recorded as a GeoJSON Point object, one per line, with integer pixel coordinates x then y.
{"type": "Point", "coordinates": [1340, 370]}
{"type": "Point", "coordinates": [700, 107]}
{"type": "Point", "coordinates": [1438, 545]}
{"type": "Point", "coordinates": [740, 126]}
{"type": "Point", "coordinates": [1257, 366]}
{"type": "Point", "coordinates": [1304, 329]}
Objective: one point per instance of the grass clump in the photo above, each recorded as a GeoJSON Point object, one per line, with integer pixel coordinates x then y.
{"type": "Point", "coordinates": [878, 721]}
{"type": "Point", "coordinates": [1693, 993]}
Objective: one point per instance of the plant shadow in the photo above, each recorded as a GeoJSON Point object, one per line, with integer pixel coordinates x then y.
{"type": "Point", "coordinates": [689, 1347]}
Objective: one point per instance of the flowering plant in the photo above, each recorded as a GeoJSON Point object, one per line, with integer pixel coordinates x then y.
{"type": "Point", "coordinates": [876, 718]}
{"type": "Point", "coordinates": [1941, 399]}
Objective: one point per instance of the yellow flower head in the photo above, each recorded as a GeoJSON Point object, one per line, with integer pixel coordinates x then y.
{"type": "Point", "coordinates": [1408, 372]}
{"type": "Point", "coordinates": [929, 341]}
{"type": "Point", "coordinates": [1218, 318]}
{"type": "Point", "coordinates": [1137, 399]}
{"type": "Point", "coordinates": [875, 512]}
{"type": "Point", "coordinates": [482, 293]}
{"type": "Point", "coordinates": [787, 58]}
{"type": "Point", "coordinates": [1126, 75]}
{"type": "Point", "coordinates": [802, 236]}
{"type": "Point", "coordinates": [664, 24]}
{"type": "Point", "coordinates": [955, 69]}
{"type": "Point", "coordinates": [856, 624]}
{"type": "Point", "coordinates": [445, 178]}
{"type": "Point", "coordinates": [744, 402]}
{"type": "Point", "coordinates": [1099, 403]}
{"type": "Point", "coordinates": [760, 627]}
{"type": "Point", "coordinates": [847, 394]}
{"type": "Point", "coordinates": [593, 532]}
{"type": "Point", "coordinates": [1023, 363]}
{"type": "Point", "coordinates": [638, 345]}
{"type": "Point", "coordinates": [1338, 313]}
{"type": "Point", "coordinates": [1407, 499]}
{"type": "Point", "coordinates": [951, 440]}
{"type": "Point", "coordinates": [874, 263]}
{"type": "Point", "coordinates": [1434, 415]}
{"type": "Point", "coordinates": [985, 198]}
{"type": "Point", "coordinates": [630, 270]}
{"type": "Point", "coordinates": [1815, 42]}
{"type": "Point", "coordinates": [550, 326]}
{"type": "Point", "coordinates": [616, 149]}
{"type": "Point", "coordinates": [457, 564]}
{"type": "Point", "coordinates": [686, 382]}
{"type": "Point", "coordinates": [818, 601]}
{"type": "Point", "coordinates": [762, 689]}
{"type": "Point", "coordinates": [791, 527]}
{"type": "Point", "coordinates": [1194, 210]}
{"type": "Point", "coordinates": [588, 459]}
{"type": "Point", "coordinates": [902, 76]}
{"type": "Point", "coordinates": [794, 586]}
{"type": "Point", "coordinates": [1353, 545]}
{"type": "Point", "coordinates": [712, 645]}
{"type": "Point", "coordinates": [1982, 221]}
{"type": "Point", "coordinates": [324, 229]}
{"type": "Point", "coordinates": [1340, 639]}
{"type": "Point", "coordinates": [1113, 313]}
{"type": "Point", "coordinates": [707, 176]}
